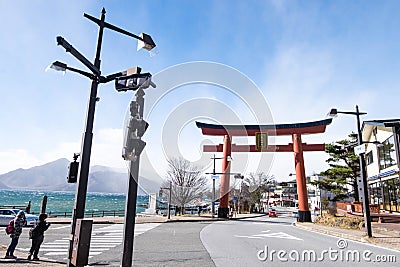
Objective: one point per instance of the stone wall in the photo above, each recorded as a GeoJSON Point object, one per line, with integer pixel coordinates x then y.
{"type": "Point", "coordinates": [355, 207]}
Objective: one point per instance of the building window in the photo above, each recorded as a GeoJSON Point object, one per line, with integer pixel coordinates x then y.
{"type": "Point", "coordinates": [387, 154]}
{"type": "Point", "coordinates": [369, 159]}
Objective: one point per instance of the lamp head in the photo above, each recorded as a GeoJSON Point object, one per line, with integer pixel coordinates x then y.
{"type": "Point", "coordinates": [333, 113]}
{"type": "Point", "coordinates": [57, 66]}
{"type": "Point", "coordinates": [147, 42]}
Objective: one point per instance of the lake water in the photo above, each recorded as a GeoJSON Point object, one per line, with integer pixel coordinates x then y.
{"type": "Point", "coordinates": [63, 202]}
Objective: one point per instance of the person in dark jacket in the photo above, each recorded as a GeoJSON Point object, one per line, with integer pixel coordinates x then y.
{"type": "Point", "coordinates": [19, 221]}
{"type": "Point", "coordinates": [38, 236]}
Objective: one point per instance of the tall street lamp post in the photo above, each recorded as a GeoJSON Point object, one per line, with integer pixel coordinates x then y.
{"type": "Point", "coordinates": [214, 176]}
{"type": "Point", "coordinates": [237, 198]}
{"type": "Point", "coordinates": [169, 198]}
{"type": "Point", "coordinates": [146, 42]}
{"type": "Point", "coordinates": [364, 187]}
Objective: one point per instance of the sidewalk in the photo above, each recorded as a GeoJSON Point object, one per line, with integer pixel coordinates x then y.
{"type": "Point", "coordinates": [384, 234]}
{"type": "Point", "coordinates": [23, 262]}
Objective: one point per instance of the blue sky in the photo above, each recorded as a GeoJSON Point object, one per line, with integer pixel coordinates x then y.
{"type": "Point", "coordinates": [304, 56]}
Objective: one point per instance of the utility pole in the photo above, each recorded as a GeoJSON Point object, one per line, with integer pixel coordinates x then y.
{"type": "Point", "coordinates": [169, 198]}
{"type": "Point", "coordinates": [363, 185]}
{"type": "Point", "coordinates": [132, 150]}
{"type": "Point", "coordinates": [367, 215]}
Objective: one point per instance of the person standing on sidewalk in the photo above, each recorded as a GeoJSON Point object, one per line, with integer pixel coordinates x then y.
{"type": "Point", "coordinates": [19, 221]}
{"type": "Point", "coordinates": [37, 236]}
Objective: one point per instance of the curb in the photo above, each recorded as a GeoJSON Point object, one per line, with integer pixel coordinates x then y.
{"type": "Point", "coordinates": [363, 239]}
{"type": "Point", "coordinates": [216, 219]}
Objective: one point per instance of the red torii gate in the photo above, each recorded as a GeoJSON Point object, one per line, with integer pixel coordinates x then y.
{"type": "Point", "coordinates": [295, 130]}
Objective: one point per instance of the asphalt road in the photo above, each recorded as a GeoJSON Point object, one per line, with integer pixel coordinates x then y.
{"type": "Point", "coordinates": [172, 244]}
{"type": "Point", "coordinates": [276, 242]}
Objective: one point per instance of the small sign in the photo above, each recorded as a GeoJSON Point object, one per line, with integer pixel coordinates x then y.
{"type": "Point", "coordinates": [214, 176]}
{"type": "Point", "coordinates": [359, 149]}
{"type": "Point", "coordinates": [235, 198]}
{"type": "Point", "coordinates": [261, 141]}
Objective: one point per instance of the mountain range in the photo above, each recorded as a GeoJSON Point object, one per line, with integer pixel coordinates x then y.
{"type": "Point", "coordinates": [52, 176]}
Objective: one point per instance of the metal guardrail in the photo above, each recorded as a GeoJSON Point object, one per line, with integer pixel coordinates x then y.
{"type": "Point", "coordinates": [88, 214]}
{"type": "Point", "coordinates": [20, 207]}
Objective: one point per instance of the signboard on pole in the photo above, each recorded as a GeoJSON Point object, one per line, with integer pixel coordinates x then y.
{"type": "Point", "coordinates": [261, 141]}
{"type": "Point", "coordinates": [359, 149]}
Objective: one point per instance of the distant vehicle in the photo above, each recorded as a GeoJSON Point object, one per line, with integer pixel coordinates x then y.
{"type": "Point", "coordinates": [295, 214]}
{"type": "Point", "coordinates": [6, 215]}
{"type": "Point", "coordinates": [272, 213]}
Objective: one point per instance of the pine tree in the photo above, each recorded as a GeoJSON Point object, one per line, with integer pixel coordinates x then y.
{"type": "Point", "coordinates": [344, 169]}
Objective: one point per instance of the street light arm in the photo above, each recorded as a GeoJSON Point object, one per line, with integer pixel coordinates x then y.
{"type": "Point", "coordinates": [60, 66]}
{"type": "Point", "coordinates": [112, 27]}
{"type": "Point", "coordinates": [117, 29]}
{"type": "Point", "coordinates": [69, 48]}
{"type": "Point", "coordinates": [112, 77]}
{"type": "Point", "coordinates": [352, 112]}
{"type": "Point", "coordinates": [84, 73]}
{"type": "Point", "coordinates": [333, 112]}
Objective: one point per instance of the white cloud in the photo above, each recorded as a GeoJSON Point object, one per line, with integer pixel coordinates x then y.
{"type": "Point", "coordinates": [107, 148]}
{"type": "Point", "coordinates": [17, 158]}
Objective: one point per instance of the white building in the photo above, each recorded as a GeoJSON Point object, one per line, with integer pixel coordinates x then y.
{"type": "Point", "coordinates": [381, 157]}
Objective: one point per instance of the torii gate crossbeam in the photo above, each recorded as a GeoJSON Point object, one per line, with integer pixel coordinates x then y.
{"type": "Point", "coordinates": [295, 130]}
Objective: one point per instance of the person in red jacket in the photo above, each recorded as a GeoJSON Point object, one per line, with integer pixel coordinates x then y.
{"type": "Point", "coordinates": [19, 221]}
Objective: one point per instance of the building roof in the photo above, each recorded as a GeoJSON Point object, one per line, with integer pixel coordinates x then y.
{"type": "Point", "coordinates": [383, 125]}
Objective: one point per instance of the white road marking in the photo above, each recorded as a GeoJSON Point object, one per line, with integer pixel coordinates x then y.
{"type": "Point", "coordinates": [60, 227]}
{"type": "Point", "coordinates": [102, 240]}
{"type": "Point", "coordinates": [266, 234]}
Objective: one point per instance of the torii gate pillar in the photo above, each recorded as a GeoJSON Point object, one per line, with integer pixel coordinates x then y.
{"type": "Point", "coordinates": [223, 209]}
{"type": "Point", "coordinates": [304, 212]}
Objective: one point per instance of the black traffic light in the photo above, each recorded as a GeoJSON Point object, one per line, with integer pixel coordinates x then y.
{"type": "Point", "coordinates": [133, 145]}
{"type": "Point", "coordinates": [238, 176]}
{"type": "Point", "coordinates": [137, 127]}
{"type": "Point", "coordinates": [73, 170]}
{"type": "Point", "coordinates": [133, 148]}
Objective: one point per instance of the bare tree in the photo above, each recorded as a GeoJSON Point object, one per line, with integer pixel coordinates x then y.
{"type": "Point", "coordinates": [188, 181]}
{"type": "Point", "coordinates": [258, 184]}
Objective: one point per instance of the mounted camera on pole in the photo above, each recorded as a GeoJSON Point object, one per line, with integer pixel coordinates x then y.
{"type": "Point", "coordinates": [133, 146]}
{"type": "Point", "coordinates": [133, 80]}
